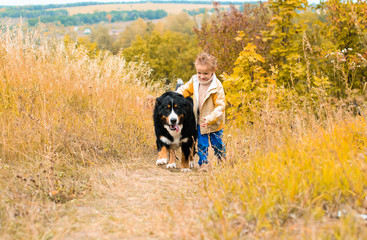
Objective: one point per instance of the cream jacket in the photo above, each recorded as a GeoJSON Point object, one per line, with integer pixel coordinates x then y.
{"type": "Point", "coordinates": [213, 105]}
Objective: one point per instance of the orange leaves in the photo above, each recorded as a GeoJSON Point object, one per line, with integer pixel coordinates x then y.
{"type": "Point", "coordinates": [53, 193]}
{"type": "Point", "coordinates": [109, 17]}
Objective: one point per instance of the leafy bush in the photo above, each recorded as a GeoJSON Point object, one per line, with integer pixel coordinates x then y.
{"type": "Point", "coordinates": [171, 55]}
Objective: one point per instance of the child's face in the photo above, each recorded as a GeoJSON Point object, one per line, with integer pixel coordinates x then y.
{"type": "Point", "coordinates": [203, 72]}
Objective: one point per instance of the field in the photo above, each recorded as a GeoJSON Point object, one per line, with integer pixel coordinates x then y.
{"type": "Point", "coordinates": [171, 8]}
{"type": "Point", "coordinates": [77, 158]}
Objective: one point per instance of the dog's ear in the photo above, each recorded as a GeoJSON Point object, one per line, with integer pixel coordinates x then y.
{"type": "Point", "coordinates": [189, 109]}
{"type": "Point", "coordinates": [158, 101]}
{"type": "Point", "coordinates": [156, 106]}
{"type": "Point", "coordinates": [189, 103]}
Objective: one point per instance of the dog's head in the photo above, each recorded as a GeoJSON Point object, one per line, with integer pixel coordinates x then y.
{"type": "Point", "coordinates": [172, 109]}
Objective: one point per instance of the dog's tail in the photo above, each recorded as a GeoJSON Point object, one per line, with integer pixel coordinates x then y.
{"type": "Point", "coordinates": [179, 83]}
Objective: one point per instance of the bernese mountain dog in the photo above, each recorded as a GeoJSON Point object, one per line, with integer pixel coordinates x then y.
{"type": "Point", "coordinates": [175, 127]}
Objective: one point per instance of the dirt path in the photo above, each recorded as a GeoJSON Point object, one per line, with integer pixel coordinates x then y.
{"type": "Point", "coordinates": [144, 203]}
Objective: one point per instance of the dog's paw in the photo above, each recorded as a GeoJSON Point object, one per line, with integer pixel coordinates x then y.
{"type": "Point", "coordinates": [171, 165]}
{"type": "Point", "coordinates": [185, 170]}
{"type": "Point", "coordinates": [192, 164]}
{"type": "Point", "coordinates": [161, 161]}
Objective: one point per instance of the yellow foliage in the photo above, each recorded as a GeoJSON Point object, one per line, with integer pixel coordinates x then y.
{"type": "Point", "coordinates": [91, 46]}
{"type": "Point", "coordinates": [246, 86]}
{"type": "Point", "coordinates": [312, 177]}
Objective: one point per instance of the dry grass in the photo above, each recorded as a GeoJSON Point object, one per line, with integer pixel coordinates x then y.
{"type": "Point", "coordinates": [291, 176]}
{"type": "Point", "coordinates": [77, 159]}
{"type": "Point", "coordinates": [63, 113]}
{"type": "Point", "coordinates": [170, 8]}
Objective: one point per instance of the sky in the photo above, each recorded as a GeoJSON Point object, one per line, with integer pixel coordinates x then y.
{"type": "Point", "coordinates": [39, 2]}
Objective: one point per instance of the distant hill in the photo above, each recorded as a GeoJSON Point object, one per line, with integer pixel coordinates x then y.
{"type": "Point", "coordinates": [74, 14]}
{"type": "Point", "coordinates": [78, 4]}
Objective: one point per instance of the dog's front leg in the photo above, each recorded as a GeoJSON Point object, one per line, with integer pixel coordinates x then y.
{"type": "Point", "coordinates": [172, 159]}
{"type": "Point", "coordinates": [162, 156]}
{"type": "Point", "coordinates": [185, 159]}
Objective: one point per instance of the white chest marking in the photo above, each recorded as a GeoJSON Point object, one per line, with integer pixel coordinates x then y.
{"type": "Point", "coordinates": [165, 140]}
{"type": "Point", "coordinates": [176, 143]}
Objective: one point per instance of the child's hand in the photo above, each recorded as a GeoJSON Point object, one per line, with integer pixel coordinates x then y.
{"type": "Point", "coordinates": [205, 123]}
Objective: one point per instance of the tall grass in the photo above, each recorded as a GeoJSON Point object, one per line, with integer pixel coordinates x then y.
{"type": "Point", "coordinates": [61, 112]}
{"type": "Point", "coordinates": [290, 172]}
{"type": "Point", "coordinates": [297, 173]}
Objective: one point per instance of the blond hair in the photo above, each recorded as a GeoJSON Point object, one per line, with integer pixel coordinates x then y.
{"type": "Point", "coordinates": [206, 59]}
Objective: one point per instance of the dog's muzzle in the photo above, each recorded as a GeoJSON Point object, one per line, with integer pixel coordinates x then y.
{"type": "Point", "coordinates": [173, 121]}
{"type": "Point", "coordinates": [173, 124]}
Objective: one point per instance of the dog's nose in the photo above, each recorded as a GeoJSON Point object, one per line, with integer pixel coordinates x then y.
{"type": "Point", "coordinates": [173, 120]}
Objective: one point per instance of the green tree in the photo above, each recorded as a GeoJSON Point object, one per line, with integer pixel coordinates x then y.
{"type": "Point", "coordinates": [286, 42]}
{"type": "Point", "coordinates": [102, 37]}
{"type": "Point", "coordinates": [181, 22]}
{"type": "Point", "coordinates": [171, 55]}
{"type": "Point", "coordinates": [140, 27]}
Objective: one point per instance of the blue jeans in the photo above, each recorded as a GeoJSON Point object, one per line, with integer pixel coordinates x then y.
{"type": "Point", "coordinates": [216, 142]}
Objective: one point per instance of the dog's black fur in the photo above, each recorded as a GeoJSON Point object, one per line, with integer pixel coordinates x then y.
{"type": "Point", "coordinates": [175, 127]}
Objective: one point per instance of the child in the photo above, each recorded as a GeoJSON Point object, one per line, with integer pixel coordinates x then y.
{"type": "Point", "coordinates": [209, 105]}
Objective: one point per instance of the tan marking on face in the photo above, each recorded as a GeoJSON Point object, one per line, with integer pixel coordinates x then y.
{"type": "Point", "coordinates": [166, 119]}
{"type": "Point", "coordinates": [162, 153]}
{"type": "Point", "coordinates": [180, 117]}
{"type": "Point", "coordinates": [172, 156]}
{"type": "Point", "coordinates": [169, 106]}
{"type": "Point", "coordinates": [175, 105]}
